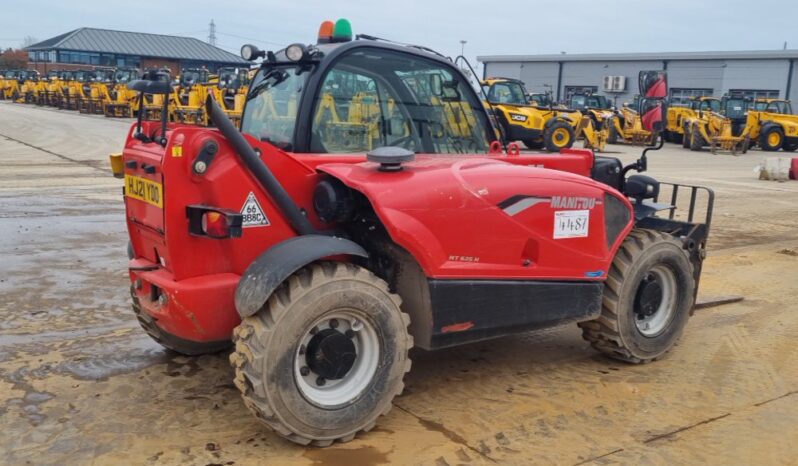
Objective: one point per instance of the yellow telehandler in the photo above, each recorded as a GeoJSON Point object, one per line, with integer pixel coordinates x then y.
{"type": "Point", "coordinates": [626, 126]}
{"type": "Point", "coordinates": [188, 97]}
{"type": "Point", "coordinates": [772, 125]}
{"type": "Point", "coordinates": [678, 114]}
{"type": "Point", "coordinates": [725, 130]}
{"type": "Point", "coordinates": [597, 116]}
{"type": "Point", "coordinates": [28, 88]}
{"type": "Point", "coordinates": [537, 127]}
{"type": "Point", "coordinates": [119, 101]}
{"type": "Point", "coordinates": [230, 91]}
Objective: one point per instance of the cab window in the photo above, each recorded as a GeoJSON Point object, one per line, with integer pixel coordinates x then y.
{"type": "Point", "coordinates": [372, 98]}
{"type": "Point", "coordinates": [271, 109]}
{"type": "Point", "coordinates": [507, 93]}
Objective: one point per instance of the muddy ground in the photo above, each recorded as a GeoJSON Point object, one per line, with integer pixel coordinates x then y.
{"type": "Point", "coordinates": [80, 383]}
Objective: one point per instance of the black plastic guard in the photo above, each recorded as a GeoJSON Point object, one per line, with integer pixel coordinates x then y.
{"type": "Point", "coordinates": [274, 266]}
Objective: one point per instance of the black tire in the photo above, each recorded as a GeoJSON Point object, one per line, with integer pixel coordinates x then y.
{"type": "Point", "coordinates": [696, 140]}
{"type": "Point", "coordinates": [616, 331]}
{"type": "Point", "coordinates": [771, 139]}
{"type": "Point", "coordinates": [789, 146]}
{"type": "Point", "coordinates": [612, 133]}
{"type": "Point", "coordinates": [534, 144]}
{"type": "Point", "coordinates": [269, 350]}
{"type": "Point", "coordinates": [169, 341]}
{"type": "Point", "coordinates": [686, 137]}
{"type": "Point", "coordinates": [558, 136]}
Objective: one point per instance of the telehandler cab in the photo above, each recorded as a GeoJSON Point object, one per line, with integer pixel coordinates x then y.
{"type": "Point", "coordinates": [325, 262]}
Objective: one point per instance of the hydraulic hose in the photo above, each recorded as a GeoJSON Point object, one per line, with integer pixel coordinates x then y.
{"type": "Point", "coordinates": [259, 170]}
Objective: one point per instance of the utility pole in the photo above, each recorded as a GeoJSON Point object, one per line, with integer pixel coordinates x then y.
{"type": "Point", "coordinates": [462, 47]}
{"type": "Point", "coordinates": [212, 35]}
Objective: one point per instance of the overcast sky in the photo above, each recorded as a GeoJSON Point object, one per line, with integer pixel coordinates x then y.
{"type": "Point", "coordinates": [490, 27]}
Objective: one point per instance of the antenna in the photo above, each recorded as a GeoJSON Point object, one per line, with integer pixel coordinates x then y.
{"type": "Point", "coordinates": [212, 34]}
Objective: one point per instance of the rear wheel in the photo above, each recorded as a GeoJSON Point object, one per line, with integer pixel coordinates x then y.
{"type": "Point", "coordinates": [169, 341]}
{"type": "Point", "coordinates": [648, 297]}
{"type": "Point", "coordinates": [771, 139]}
{"type": "Point", "coordinates": [789, 146]}
{"type": "Point", "coordinates": [325, 356]}
{"type": "Point", "coordinates": [558, 136]}
{"type": "Point", "coordinates": [612, 133]}
{"type": "Point", "coordinates": [686, 137]}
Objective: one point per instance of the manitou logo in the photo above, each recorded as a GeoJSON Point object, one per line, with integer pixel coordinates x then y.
{"type": "Point", "coordinates": [572, 202]}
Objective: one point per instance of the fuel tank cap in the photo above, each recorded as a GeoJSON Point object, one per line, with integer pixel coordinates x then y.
{"type": "Point", "coordinates": [390, 158]}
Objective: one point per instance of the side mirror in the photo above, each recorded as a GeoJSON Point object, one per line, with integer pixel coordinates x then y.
{"type": "Point", "coordinates": [652, 114]}
{"type": "Point", "coordinates": [450, 91]}
{"type": "Point", "coordinates": [653, 84]}
{"type": "Point", "coordinates": [150, 87]}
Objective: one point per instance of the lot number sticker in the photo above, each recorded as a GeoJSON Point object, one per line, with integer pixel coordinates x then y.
{"type": "Point", "coordinates": [571, 224]}
{"type": "Point", "coordinates": [253, 213]}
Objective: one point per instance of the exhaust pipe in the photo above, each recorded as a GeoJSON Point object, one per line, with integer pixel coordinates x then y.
{"type": "Point", "coordinates": [259, 170]}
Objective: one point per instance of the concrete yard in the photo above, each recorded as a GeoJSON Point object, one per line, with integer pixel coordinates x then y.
{"type": "Point", "coordinates": [81, 383]}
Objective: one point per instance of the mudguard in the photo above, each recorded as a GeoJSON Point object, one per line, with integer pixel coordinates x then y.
{"type": "Point", "coordinates": [274, 266]}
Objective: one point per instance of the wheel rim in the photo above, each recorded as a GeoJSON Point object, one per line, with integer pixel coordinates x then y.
{"type": "Point", "coordinates": [655, 301]}
{"type": "Point", "coordinates": [774, 139]}
{"type": "Point", "coordinates": [560, 137]}
{"type": "Point", "coordinates": [337, 358]}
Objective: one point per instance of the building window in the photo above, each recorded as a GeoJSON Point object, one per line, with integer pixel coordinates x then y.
{"type": "Point", "coordinates": [680, 97]}
{"type": "Point", "coordinates": [754, 93]}
{"type": "Point", "coordinates": [571, 90]}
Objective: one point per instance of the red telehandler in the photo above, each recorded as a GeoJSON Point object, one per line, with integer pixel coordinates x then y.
{"type": "Point", "coordinates": [348, 219]}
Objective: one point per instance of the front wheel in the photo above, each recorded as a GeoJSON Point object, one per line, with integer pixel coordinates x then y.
{"type": "Point", "coordinates": [325, 356]}
{"type": "Point", "coordinates": [771, 139]}
{"type": "Point", "coordinates": [648, 297]}
{"type": "Point", "coordinates": [558, 136]}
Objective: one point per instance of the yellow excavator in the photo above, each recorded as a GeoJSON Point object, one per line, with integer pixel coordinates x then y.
{"type": "Point", "coordinates": [537, 127]}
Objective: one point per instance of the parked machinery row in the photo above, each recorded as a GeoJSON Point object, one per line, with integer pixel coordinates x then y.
{"type": "Point", "coordinates": [104, 91]}
{"type": "Point", "coordinates": [732, 123]}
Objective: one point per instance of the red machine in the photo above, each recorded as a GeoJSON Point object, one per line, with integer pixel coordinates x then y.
{"type": "Point", "coordinates": [365, 206]}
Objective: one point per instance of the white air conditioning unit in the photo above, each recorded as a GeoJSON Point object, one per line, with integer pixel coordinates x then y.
{"type": "Point", "coordinates": [614, 83]}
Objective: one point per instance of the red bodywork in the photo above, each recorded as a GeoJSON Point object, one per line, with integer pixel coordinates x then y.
{"type": "Point", "coordinates": [445, 210]}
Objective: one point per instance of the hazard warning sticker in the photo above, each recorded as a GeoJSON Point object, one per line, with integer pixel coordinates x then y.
{"type": "Point", "coordinates": [253, 213]}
